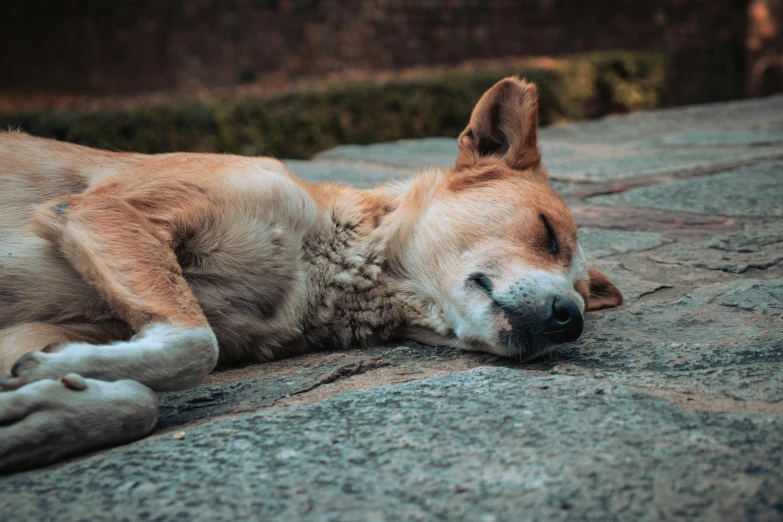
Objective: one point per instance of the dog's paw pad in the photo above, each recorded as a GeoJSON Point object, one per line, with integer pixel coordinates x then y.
{"type": "Point", "coordinates": [74, 381]}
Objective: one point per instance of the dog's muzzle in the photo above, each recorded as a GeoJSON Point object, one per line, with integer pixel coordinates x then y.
{"type": "Point", "coordinates": [559, 321]}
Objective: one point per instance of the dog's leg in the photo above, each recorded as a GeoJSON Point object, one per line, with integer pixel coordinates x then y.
{"type": "Point", "coordinates": [48, 420]}
{"type": "Point", "coordinates": [23, 338]}
{"type": "Point", "coordinates": [129, 261]}
{"type": "Point", "coordinates": [48, 410]}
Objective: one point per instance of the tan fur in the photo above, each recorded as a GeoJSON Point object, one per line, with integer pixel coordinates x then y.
{"type": "Point", "coordinates": [90, 240]}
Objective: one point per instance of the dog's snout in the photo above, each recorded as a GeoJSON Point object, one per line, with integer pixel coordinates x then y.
{"type": "Point", "coordinates": [564, 323]}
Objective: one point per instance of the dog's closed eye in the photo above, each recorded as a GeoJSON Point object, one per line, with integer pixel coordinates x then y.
{"type": "Point", "coordinates": [552, 244]}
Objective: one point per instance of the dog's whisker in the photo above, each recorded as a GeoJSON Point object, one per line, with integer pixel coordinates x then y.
{"type": "Point", "coordinates": [577, 226]}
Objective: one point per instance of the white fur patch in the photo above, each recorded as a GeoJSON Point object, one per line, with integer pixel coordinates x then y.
{"type": "Point", "coordinates": [162, 356]}
{"type": "Point", "coordinates": [541, 286]}
{"type": "Point", "coordinates": [47, 420]}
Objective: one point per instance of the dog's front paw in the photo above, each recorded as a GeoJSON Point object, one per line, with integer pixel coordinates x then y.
{"type": "Point", "coordinates": [52, 419]}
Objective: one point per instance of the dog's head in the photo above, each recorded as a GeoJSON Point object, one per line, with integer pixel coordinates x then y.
{"type": "Point", "coordinates": [491, 251]}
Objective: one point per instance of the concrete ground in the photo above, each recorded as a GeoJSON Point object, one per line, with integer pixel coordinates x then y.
{"type": "Point", "coordinates": [668, 408]}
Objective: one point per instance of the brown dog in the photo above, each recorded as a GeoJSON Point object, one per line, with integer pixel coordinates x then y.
{"type": "Point", "coordinates": [181, 261]}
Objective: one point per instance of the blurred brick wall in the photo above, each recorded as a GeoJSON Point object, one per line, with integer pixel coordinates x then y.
{"type": "Point", "coordinates": [109, 46]}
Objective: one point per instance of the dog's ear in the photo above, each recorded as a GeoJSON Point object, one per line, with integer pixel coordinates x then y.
{"type": "Point", "coordinates": [504, 124]}
{"type": "Point", "coordinates": [603, 293]}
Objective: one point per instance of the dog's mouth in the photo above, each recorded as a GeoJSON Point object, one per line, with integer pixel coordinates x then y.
{"type": "Point", "coordinates": [520, 346]}
{"type": "Point", "coordinates": [516, 340]}
{"type": "Point", "coordinates": [524, 346]}
{"type": "Point", "coordinates": [516, 345]}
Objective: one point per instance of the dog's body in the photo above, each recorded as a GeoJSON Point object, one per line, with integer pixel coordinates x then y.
{"type": "Point", "coordinates": [184, 260]}
{"type": "Point", "coordinates": [277, 266]}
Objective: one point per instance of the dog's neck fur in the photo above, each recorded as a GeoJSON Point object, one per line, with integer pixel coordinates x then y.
{"type": "Point", "coordinates": [366, 292]}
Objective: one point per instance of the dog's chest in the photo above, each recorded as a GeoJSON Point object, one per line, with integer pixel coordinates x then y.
{"type": "Point", "coordinates": [269, 291]}
{"type": "Point", "coordinates": [355, 300]}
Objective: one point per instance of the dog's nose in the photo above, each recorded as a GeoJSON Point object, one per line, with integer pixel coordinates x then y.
{"type": "Point", "coordinates": [565, 321]}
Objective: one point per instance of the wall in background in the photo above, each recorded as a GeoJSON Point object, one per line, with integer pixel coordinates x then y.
{"type": "Point", "coordinates": [110, 47]}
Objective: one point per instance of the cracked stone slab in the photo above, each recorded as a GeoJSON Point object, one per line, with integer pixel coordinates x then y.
{"type": "Point", "coordinates": [753, 122]}
{"type": "Point", "coordinates": [632, 285]}
{"type": "Point", "coordinates": [485, 444]}
{"type": "Point", "coordinates": [617, 164]}
{"type": "Point", "coordinates": [599, 243]}
{"type": "Point", "coordinates": [723, 138]}
{"type": "Point", "coordinates": [753, 192]}
{"type": "Point", "coordinates": [724, 338]}
{"type": "Point", "coordinates": [734, 253]}
{"type": "Point", "coordinates": [362, 175]}
{"type": "Point", "coordinates": [258, 386]}
{"type": "Point", "coordinates": [651, 220]}
{"type": "Point", "coordinates": [219, 397]}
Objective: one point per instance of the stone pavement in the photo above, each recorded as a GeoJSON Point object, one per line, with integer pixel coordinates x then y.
{"type": "Point", "coordinates": [668, 408]}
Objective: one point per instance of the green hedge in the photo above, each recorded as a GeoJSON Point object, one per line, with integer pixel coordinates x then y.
{"type": "Point", "coordinates": [301, 123]}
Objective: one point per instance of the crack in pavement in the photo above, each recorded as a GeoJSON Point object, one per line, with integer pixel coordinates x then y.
{"type": "Point", "coordinates": [343, 372]}
{"type": "Point", "coordinates": [663, 177]}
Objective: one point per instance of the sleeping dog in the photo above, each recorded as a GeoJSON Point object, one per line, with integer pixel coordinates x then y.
{"type": "Point", "coordinates": [123, 274]}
